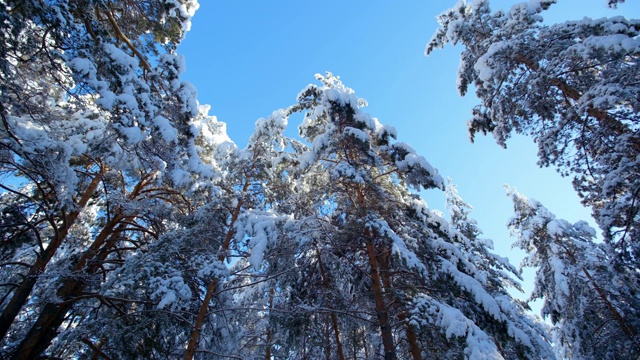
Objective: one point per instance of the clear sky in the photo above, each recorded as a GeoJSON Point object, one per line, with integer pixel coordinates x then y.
{"type": "Point", "coordinates": [248, 58]}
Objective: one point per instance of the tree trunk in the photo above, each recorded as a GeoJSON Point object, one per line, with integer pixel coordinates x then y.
{"type": "Point", "coordinates": [414, 349]}
{"type": "Point", "coordinates": [628, 329]}
{"type": "Point", "coordinates": [195, 334]}
{"type": "Point", "coordinates": [45, 329]}
{"type": "Point", "coordinates": [23, 291]}
{"type": "Point", "coordinates": [327, 337]}
{"type": "Point", "coordinates": [381, 307]}
{"type": "Point", "coordinates": [202, 312]}
{"type": "Point", "coordinates": [334, 318]}
{"type": "Point", "coordinates": [272, 293]}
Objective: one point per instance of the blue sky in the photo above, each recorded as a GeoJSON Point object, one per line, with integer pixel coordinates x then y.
{"type": "Point", "coordinates": [248, 58]}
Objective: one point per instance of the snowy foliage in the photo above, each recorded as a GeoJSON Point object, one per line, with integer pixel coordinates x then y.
{"type": "Point", "coordinates": [365, 246]}
{"type": "Point", "coordinates": [96, 134]}
{"type": "Point", "coordinates": [572, 86]}
{"type": "Point", "coordinates": [134, 228]}
{"type": "Point", "coordinates": [592, 306]}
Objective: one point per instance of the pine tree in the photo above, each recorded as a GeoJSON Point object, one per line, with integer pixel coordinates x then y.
{"type": "Point", "coordinates": [593, 307]}
{"type": "Point", "coordinates": [370, 251]}
{"type": "Point", "coordinates": [92, 110]}
{"type": "Point", "coordinates": [572, 87]}
{"type": "Point", "coordinates": [251, 189]}
{"type": "Point", "coordinates": [141, 308]}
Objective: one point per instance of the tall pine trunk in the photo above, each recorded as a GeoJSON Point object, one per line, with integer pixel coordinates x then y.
{"type": "Point", "coordinates": [382, 312]}
{"type": "Point", "coordinates": [414, 348]}
{"type": "Point", "coordinates": [334, 318]}
{"type": "Point", "coordinates": [213, 284]}
{"type": "Point", "coordinates": [269, 338]}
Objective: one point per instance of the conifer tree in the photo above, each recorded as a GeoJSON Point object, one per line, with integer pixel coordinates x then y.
{"type": "Point", "coordinates": [375, 253]}
{"type": "Point", "coordinates": [573, 87]}
{"type": "Point", "coordinates": [92, 112]}
{"type": "Point", "coordinates": [593, 308]}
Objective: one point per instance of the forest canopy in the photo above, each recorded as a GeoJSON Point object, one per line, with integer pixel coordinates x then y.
{"type": "Point", "coordinates": [133, 227]}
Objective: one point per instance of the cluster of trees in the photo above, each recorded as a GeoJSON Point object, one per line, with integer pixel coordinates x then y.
{"type": "Point", "coordinates": [131, 226]}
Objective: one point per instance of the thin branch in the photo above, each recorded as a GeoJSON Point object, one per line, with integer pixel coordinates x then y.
{"type": "Point", "coordinates": [95, 349]}
{"type": "Point", "coordinates": [114, 25]}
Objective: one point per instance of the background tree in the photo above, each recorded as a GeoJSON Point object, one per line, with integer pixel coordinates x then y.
{"type": "Point", "coordinates": [92, 109]}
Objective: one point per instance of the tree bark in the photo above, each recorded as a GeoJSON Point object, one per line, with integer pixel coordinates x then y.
{"type": "Point", "coordinates": [272, 293]}
{"type": "Point", "coordinates": [412, 338]}
{"type": "Point", "coordinates": [334, 318]}
{"type": "Point", "coordinates": [45, 329]}
{"type": "Point", "coordinates": [381, 307]}
{"type": "Point", "coordinates": [202, 312]}
{"type": "Point", "coordinates": [211, 287]}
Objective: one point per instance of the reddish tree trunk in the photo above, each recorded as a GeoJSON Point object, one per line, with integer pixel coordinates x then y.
{"type": "Point", "coordinates": [272, 293]}
{"type": "Point", "coordinates": [202, 312]}
{"type": "Point", "coordinates": [45, 329]}
{"type": "Point", "coordinates": [412, 338]}
{"type": "Point", "coordinates": [195, 334]}
{"type": "Point", "coordinates": [381, 307]}
{"type": "Point", "coordinates": [23, 291]}
{"type": "Point", "coordinates": [334, 318]}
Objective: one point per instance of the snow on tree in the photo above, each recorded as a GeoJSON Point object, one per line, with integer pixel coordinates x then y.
{"type": "Point", "coordinates": [132, 227]}
{"type": "Point", "coordinates": [141, 308]}
{"type": "Point", "coordinates": [253, 184]}
{"type": "Point", "coordinates": [594, 308]}
{"type": "Point", "coordinates": [96, 133]}
{"type": "Point", "coordinates": [572, 86]}
{"type": "Point", "coordinates": [379, 273]}
{"type": "Point", "coordinates": [198, 290]}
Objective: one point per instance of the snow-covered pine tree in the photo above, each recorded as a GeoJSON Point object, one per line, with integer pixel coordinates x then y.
{"type": "Point", "coordinates": [573, 87]}
{"type": "Point", "coordinates": [371, 252]}
{"type": "Point", "coordinates": [593, 307]}
{"type": "Point", "coordinates": [92, 109]}
{"type": "Point", "coordinates": [200, 290]}
{"type": "Point", "coordinates": [142, 308]}
{"type": "Point", "coordinates": [254, 183]}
